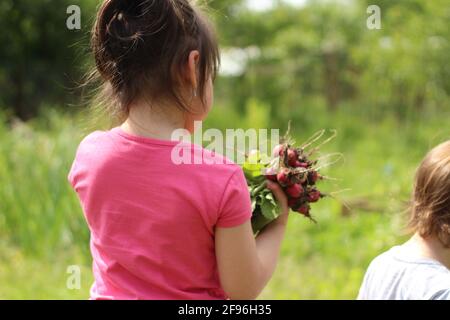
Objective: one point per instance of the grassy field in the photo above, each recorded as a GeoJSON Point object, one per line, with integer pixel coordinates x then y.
{"type": "Point", "coordinates": [42, 231]}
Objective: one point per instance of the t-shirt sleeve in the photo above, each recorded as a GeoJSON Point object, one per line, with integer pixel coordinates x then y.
{"type": "Point", "coordinates": [83, 148]}
{"type": "Point", "coordinates": [441, 295]}
{"type": "Point", "coordinates": [71, 175]}
{"type": "Point", "coordinates": [363, 289]}
{"type": "Point", "coordinates": [235, 207]}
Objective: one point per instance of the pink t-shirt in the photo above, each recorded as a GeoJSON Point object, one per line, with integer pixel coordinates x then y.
{"type": "Point", "coordinates": [152, 222]}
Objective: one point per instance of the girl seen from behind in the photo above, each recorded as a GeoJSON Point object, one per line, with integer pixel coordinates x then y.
{"type": "Point", "coordinates": [161, 230]}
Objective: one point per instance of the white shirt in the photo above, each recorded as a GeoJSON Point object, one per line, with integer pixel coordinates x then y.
{"type": "Point", "coordinates": [398, 275]}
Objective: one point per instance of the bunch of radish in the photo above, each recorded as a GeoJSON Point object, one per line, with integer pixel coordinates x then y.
{"type": "Point", "coordinates": [298, 177]}
{"type": "Point", "coordinates": [296, 172]}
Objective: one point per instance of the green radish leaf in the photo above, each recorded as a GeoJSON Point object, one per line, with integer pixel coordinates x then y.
{"type": "Point", "coordinates": [254, 157]}
{"type": "Point", "coordinates": [269, 197]}
{"type": "Point", "coordinates": [253, 166]}
{"type": "Point", "coordinates": [252, 170]}
{"type": "Point", "coordinates": [269, 210]}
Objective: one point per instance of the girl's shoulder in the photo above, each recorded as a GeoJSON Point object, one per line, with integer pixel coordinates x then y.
{"type": "Point", "coordinates": [107, 146]}
{"type": "Point", "coordinates": [397, 274]}
{"type": "Point", "coordinates": [91, 137]}
{"type": "Point", "coordinates": [92, 143]}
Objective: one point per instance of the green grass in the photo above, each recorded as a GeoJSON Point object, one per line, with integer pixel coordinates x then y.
{"type": "Point", "coordinates": [29, 277]}
{"type": "Point", "coordinates": [42, 230]}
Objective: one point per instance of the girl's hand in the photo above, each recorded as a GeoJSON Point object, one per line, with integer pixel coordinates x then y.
{"type": "Point", "coordinates": [282, 200]}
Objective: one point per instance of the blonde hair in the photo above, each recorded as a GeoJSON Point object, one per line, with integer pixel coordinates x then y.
{"type": "Point", "coordinates": [430, 214]}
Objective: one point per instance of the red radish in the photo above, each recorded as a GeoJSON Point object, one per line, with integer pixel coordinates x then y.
{"type": "Point", "coordinates": [278, 150]}
{"type": "Point", "coordinates": [271, 174]}
{"type": "Point", "coordinates": [271, 171]}
{"type": "Point", "coordinates": [292, 156]}
{"type": "Point", "coordinates": [295, 191]}
{"type": "Point", "coordinates": [313, 176]}
{"type": "Point", "coordinates": [292, 202]}
{"type": "Point", "coordinates": [314, 196]}
{"type": "Point", "coordinates": [304, 209]}
{"type": "Point", "coordinates": [283, 176]}
{"type": "Point", "coordinates": [299, 164]}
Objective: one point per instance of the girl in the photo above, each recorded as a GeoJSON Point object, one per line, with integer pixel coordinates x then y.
{"type": "Point", "coordinates": [160, 230]}
{"type": "Point", "coordinates": [419, 269]}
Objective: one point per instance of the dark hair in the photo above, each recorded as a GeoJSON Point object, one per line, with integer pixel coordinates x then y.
{"type": "Point", "coordinates": [141, 46]}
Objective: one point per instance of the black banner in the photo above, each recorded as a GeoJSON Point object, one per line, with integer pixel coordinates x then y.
{"type": "Point", "coordinates": [201, 310]}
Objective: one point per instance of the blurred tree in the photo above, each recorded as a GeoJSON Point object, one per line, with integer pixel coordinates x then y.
{"type": "Point", "coordinates": [320, 54]}
{"type": "Point", "coordinates": [404, 67]}
{"type": "Point", "coordinates": [323, 54]}
{"type": "Point", "coordinates": [39, 57]}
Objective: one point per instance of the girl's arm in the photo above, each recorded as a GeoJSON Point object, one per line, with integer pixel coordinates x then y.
{"type": "Point", "coordinates": [246, 264]}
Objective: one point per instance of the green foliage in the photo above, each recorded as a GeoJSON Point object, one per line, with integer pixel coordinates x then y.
{"type": "Point", "coordinates": [39, 211]}
{"type": "Point", "coordinates": [26, 277]}
{"type": "Point", "coordinates": [40, 59]}
{"type": "Point", "coordinates": [264, 206]}
{"type": "Point", "coordinates": [323, 55]}
{"type": "Point", "coordinates": [320, 54]}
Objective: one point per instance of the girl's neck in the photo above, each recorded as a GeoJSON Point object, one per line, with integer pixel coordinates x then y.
{"type": "Point", "coordinates": [430, 247]}
{"type": "Point", "coordinates": [156, 121]}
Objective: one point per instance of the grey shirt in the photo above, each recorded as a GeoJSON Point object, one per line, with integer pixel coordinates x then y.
{"type": "Point", "coordinates": [397, 275]}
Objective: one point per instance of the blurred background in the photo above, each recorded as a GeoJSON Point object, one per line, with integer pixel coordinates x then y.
{"type": "Point", "coordinates": [316, 63]}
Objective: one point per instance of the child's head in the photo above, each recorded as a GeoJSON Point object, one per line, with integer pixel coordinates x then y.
{"type": "Point", "coordinates": [431, 200]}
{"type": "Point", "coordinates": [161, 52]}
